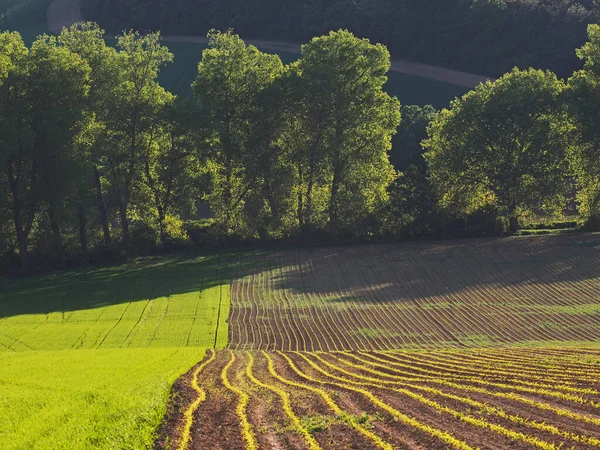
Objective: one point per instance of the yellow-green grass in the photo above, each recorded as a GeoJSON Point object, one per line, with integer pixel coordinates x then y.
{"type": "Point", "coordinates": [81, 399]}
{"type": "Point", "coordinates": [87, 358]}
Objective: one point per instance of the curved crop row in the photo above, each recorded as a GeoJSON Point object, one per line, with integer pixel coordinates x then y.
{"type": "Point", "coordinates": [482, 423]}
{"type": "Point", "coordinates": [393, 408]}
{"type": "Point", "coordinates": [287, 406]}
{"type": "Point", "coordinates": [247, 429]}
{"type": "Point", "coordinates": [189, 413]}
{"type": "Point", "coordinates": [425, 296]}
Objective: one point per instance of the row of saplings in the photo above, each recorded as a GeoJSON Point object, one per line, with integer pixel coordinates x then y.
{"type": "Point", "coordinates": [98, 160]}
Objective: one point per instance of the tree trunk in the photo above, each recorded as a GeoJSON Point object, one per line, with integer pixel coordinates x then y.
{"type": "Point", "coordinates": [124, 222]}
{"type": "Point", "coordinates": [300, 200]}
{"type": "Point", "coordinates": [22, 238]}
{"type": "Point", "coordinates": [21, 231]}
{"type": "Point", "coordinates": [228, 195]}
{"type": "Point", "coordinates": [82, 230]}
{"type": "Point", "coordinates": [102, 209]}
{"type": "Point", "coordinates": [53, 218]}
{"type": "Point", "coordinates": [24, 251]}
{"type": "Point", "coordinates": [513, 224]}
{"type": "Point", "coordinates": [309, 204]}
{"type": "Point", "coordinates": [333, 201]}
{"type": "Point", "coordinates": [161, 224]}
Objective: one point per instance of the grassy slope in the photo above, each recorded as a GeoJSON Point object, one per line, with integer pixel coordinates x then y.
{"type": "Point", "coordinates": [166, 304]}
{"type": "Point", "coordinates": [88, 357]}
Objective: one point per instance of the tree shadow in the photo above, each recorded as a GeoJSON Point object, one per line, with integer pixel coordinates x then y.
{"type": "Point", "coordinates": [136, 281]}
{"type": "Point", "coordinates": [548, 267]}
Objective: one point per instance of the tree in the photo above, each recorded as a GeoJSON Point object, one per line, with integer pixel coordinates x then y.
{"type": "Point", "coordinates": [135, 105]}
{"type": "Point", "coordinates": [349, 122]}
{"type": "Point", "coordinates": [583, 100]}
{"type": "Point", "coordinates": [504, 144]}
{"type": "Point", "coordinates": [172, 166]}
{"type": "Point", "coordinates": [42, 96]}
{"type": "Point", "coordinates": [87, 40]}
{"type": "Point", "coordinates": [231, 75]}
{"type": "Point", "coordinates": [16, 158]}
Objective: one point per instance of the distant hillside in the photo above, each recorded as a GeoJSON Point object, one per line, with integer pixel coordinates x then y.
{"type": "Point", "coordinates": [479, 36]}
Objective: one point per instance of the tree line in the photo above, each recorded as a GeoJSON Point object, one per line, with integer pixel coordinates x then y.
{"type": "Point", "coordinates": [480, 36]}
{"type": "Point", "coordinates": [98, 160]}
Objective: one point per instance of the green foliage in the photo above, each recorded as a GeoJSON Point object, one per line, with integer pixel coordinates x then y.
{"type": "Point", "coordinates": [583, 100]}
{"type": "Point", "coordinates": [315, 424]}
{"type": "Point", "coordinates": [43, 98]}
{"type": "Point", "coordinates": [231, 77]}
{"type": "Point", "coordinates": [98, 159]}
{"type": "Point", "coordinates": [412, 209]}
{"type": "Point", "coordinates": [347, 122]}
{"type": "Point", "coordinates": [502, 144]}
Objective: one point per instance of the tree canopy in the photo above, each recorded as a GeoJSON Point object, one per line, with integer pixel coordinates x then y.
{"type": "Point", "coordinates": [99, 161]}
{"type": "Point", "coordinates": [583, 100]}
{"type": "Point", "coordinates": [488, 37]}
{"type": "Point", "coordinates": [504, 144]}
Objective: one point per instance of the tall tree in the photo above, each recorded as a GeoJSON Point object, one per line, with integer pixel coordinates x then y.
{"type": "Point", "coordinates": [230, 77]}
{"type": "Point", "coordinates": [87, 40]}
{"type": "Point", "coordinates": [17, 159]}
{"type": "Point", "coordinates": [583, 99]}
{"type": "Point", "coordinates": [134, 114]}
{"type": "Point", "coordinates": [173, 169]}
{"type": "Point", "coordinates": [502, 143]}
{"type": "Point", "coordinates": [349, 121]}
{"type": "Point", "coordinates": [42, 101]}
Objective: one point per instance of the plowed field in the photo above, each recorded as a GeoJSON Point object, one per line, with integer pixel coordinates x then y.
{"type": "Point", "coordinates": [522, 398]}
{"type": "Point", "coordinates": [420, 295]}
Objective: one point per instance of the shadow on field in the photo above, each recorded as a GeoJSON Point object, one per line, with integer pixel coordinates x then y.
{"type": "Point", "coordinates": [95, 288]}
{"type": "Point", "coordinates": [548, 266]}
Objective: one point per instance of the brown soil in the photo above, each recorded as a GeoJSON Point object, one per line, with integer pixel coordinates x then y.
{"type": "Point", "coordinates": [216, 424]}
{"type": "Point", "coordinates": [182, 395]}
{"type": "Point", "coordinates": [422, 295]}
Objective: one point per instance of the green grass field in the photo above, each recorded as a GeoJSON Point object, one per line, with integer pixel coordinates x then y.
{"type": "Point", "coordinates": [88, 357]}
{"type": "Point", "coordinates": [81, 399]}
{"type": "Point", "coordinates": [167, 304]}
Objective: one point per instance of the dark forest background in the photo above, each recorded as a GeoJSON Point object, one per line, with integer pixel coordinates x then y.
{"type": "Point", "coordinates": [488, 37]}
